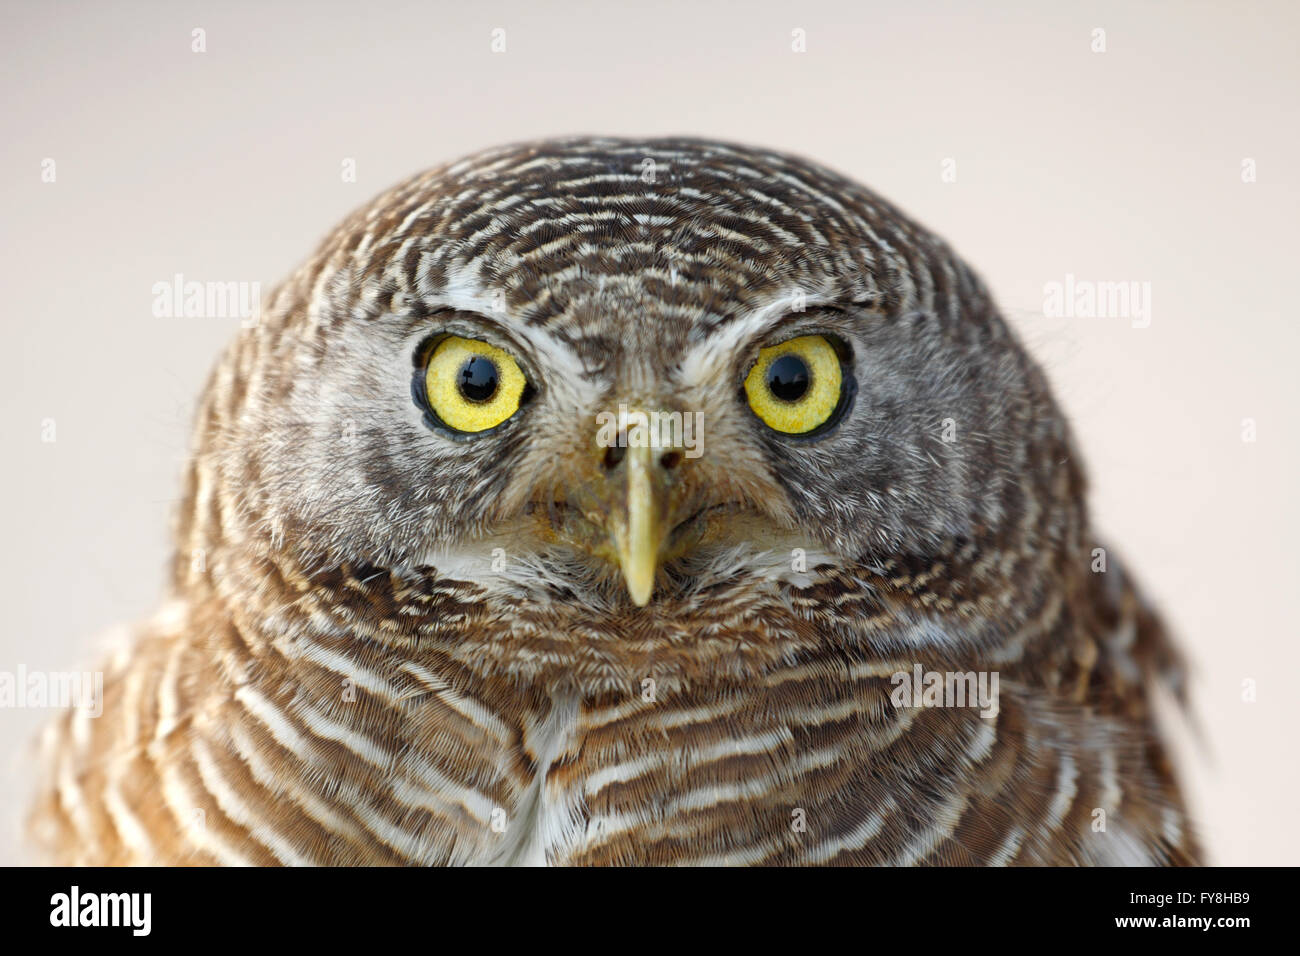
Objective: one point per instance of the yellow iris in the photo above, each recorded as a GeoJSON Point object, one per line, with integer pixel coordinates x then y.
{"type": "Point", "coordinates": [471, 385]}
{"type": "Point", "coordinates": [795, 386]}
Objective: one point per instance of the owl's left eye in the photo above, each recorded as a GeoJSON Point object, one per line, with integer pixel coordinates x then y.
{"type": "Point", "coordinates": [472, 385]}
{"type": "Point", "coordinates": [797, 386]}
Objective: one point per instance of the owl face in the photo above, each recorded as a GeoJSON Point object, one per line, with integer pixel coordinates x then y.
{"type": "Point", "coordinates": [623, 371]}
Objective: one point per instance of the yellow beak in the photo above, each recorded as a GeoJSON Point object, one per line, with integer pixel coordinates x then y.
{"type": "Point", "coordinates": [638, 528]}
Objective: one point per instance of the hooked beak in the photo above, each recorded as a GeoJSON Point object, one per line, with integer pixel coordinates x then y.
{"type": "Point", "coordinates": [631, 499]}
{"type": "Point", "coordinates": [638, 528]}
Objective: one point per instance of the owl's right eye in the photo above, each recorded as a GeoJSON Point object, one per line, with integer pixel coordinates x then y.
{"type": "Point", "coordinates": [472, 386]}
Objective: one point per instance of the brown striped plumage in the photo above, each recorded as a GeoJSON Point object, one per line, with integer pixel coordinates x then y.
{"type": "Point", "coordinates": [348, 672]}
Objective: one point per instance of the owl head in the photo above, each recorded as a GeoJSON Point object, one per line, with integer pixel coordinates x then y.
{"type": "Point", "coordinates": [627, 377]}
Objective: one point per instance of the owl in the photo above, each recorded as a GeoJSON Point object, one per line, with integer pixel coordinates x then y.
{"type": "Point", "coordinates": [613, 501]}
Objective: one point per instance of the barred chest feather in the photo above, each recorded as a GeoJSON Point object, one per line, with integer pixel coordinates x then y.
{"type": "Point", "coordinates": [363, 758]}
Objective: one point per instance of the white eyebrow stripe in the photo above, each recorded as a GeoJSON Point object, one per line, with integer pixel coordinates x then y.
{"type": "Point", "coordinates": [564, 369]}
{"type": "Point", "coordinates": [705, 360]}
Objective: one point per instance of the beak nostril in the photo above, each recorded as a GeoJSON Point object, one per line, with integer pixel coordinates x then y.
{"type": "Point", "coordinates": [670, 460]}
{"type": "Point", "coordinates": [613, 455]}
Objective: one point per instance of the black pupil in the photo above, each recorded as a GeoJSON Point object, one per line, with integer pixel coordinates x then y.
{"type": "Point", "coordinates": [787, 378]}
{"type": "Point", "coordinates": [477, 380]}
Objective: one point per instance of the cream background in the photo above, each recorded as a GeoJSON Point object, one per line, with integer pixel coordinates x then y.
{"type": "Point", "coordinates": [1116, 166]}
